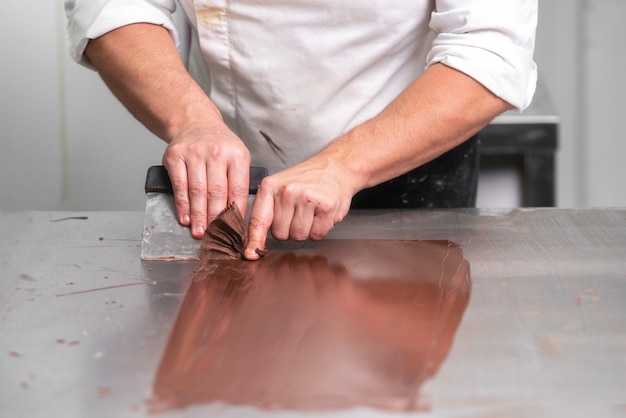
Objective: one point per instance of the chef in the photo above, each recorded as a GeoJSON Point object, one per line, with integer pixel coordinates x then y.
{"type": "Point", "coordinates": [364, 103]}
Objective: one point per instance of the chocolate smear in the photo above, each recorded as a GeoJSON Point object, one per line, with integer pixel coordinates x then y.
{"type": "Point", "coordinates": [331, 325]}
{"type": "Point", "coordinates": [274, 147]}
{"type": "Point", "coordinates": [225, 236]}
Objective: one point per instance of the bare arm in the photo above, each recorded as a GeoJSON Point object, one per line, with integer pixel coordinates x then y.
{"type": "Point", "coordinates": [439, 110]}
{"type": "Point", "coordinates": [207, 163]}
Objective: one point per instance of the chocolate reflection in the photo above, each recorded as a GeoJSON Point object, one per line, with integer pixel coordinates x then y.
{"type": "Point", "coordinates": [338, 324]}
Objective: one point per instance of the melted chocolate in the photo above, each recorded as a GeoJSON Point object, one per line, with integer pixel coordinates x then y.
{"type": "Point", "coordinates": [336, 324]}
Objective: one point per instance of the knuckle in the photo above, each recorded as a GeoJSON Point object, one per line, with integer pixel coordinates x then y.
{"type": "Point", "coordinates": [238, 150]}
{"type": "Point", "coordinates": [182, 204]}
{"type": "Point", "coordinates": [267, 184]}
{"type": "Point", "coordinates": [317, 236]}
{"type": "Point", "coordinates": [319, 231]}
{"type": "Point", "coordinates": [173, 154]}
{"type": "Point", "coordinates": [324, 208]}
{"type": "Point", "coordinates": [197, 188]}
{"type": "Point", "coordinates": [238, 191]}
{"type": "Point", "coordinates": [242, 155]}
{"type": "Point", "coordinates": [216, 191]}
{"type": "Point", "coordinates": [197, 214]}
{"type": "Point", "coordinates": [179, 185]}
{"type": "Point", "coordinates": [310, 198]}
{"type": "Point", "coordinates": [299, 236]}
{"type": "Point", "coordinates": [212, 150]}
{"type": "Point", "coordinates": [289, 191]}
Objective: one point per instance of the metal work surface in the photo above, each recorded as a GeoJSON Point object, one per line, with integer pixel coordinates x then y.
{"type": "Point", "coordinates": [84, 322]}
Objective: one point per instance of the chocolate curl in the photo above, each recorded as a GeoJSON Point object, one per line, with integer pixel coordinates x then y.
{"type": "Point", "coordinates": [225, 236]}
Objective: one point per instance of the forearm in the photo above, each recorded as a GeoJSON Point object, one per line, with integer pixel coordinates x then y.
{"type": "Point", "coordinates": [438, 111]}
{"type": "Point", "coordinates": [141, 66]}
{"type": "Point", "coordinates": [207, 163]}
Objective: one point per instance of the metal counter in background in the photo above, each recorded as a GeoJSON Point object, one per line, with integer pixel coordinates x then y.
{"type": "Point", "coordinates": [84, 322]}
{"type": "Point", "coordinates": [526, 142]}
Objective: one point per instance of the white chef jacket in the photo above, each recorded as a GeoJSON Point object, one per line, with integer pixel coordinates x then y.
{"type": "Point", "coordinates": [304, 72]}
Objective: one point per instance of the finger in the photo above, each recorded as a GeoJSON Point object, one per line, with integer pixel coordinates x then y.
{"type": "Point", "coordinates": [284, 210]}
{"type": "Point", "coordinates": [177, 172]}
{"type": "Point", "coordinates": [216, 193]}
{"type": "Point", "coordinates": [281, 223]}
{"type": "Point", "coordinates": [321, 226]}
{"type": "Point", "coordinates": [197, 179]}
{"type": "Point", "coordinates": [261, 218]}
{"type": "Point", "coordinates": [326, 217]}
{"type": "Point", "coordinates": [303, 218]}
{"type": "Point", "coordinates": [238, 186]}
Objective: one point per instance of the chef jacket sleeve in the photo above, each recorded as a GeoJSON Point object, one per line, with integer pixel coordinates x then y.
{"type": "Point", "coordinates": [89, 19]}
{"type": "Point", "coordinates": [492, 41]}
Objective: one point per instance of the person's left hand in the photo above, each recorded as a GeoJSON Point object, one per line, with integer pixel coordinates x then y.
{"type": "Point", "coordinates": [301, 202]}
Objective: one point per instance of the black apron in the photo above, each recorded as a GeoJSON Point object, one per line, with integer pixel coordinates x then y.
{"type": "Point", "coordinates": [449, 181]}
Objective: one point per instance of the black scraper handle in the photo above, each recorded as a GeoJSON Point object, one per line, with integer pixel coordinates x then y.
{"type": "Point", "coordinates": [158, 181]}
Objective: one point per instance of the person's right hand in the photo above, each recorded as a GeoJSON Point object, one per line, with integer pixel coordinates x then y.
{"type": "Point", "coordinates": [207, 163]}
{"type": "Point", "coordinates": [208, 166]}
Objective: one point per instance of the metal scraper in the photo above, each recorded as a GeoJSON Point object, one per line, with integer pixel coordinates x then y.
{"type": "Point", "coordinates": [164, 238]}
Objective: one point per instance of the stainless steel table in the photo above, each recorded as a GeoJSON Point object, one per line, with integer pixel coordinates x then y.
{"type": "Point", "coordinates": [83, 321]}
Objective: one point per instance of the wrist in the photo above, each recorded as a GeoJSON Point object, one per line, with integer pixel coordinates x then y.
{"type": "Point", "coordinates": [198, 112]}
{"type": "Point", "coordinates": [350, 160]}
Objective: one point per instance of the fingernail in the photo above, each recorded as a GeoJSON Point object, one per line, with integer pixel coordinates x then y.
{"type": "Point", "coordinates": [199, 230]}
{"type": "Point", "coordinates": [186, 219]}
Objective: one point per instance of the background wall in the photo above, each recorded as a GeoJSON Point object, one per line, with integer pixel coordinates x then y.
{"type": "Point", "coordinates": [604, 145]}
{"type": "Point", "coordinates": [66, 143]}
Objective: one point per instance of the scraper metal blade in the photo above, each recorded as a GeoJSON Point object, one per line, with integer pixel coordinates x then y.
{"type": "Point", "coordinates": [164, 238]}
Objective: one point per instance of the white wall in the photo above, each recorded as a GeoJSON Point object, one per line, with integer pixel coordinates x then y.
{"type": "Point", "coordinates": [605, 134]}
{"type": "Point", "coordinates": [30, 98]}
{"type": "Point", "coordinates": [66, 143]}
{"type": "Point", "coordinates": [108, 151]}
{"type": "Point", "coordinates": [560, 58]}
{"type": "Point", "coordinates": [581, 54]}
